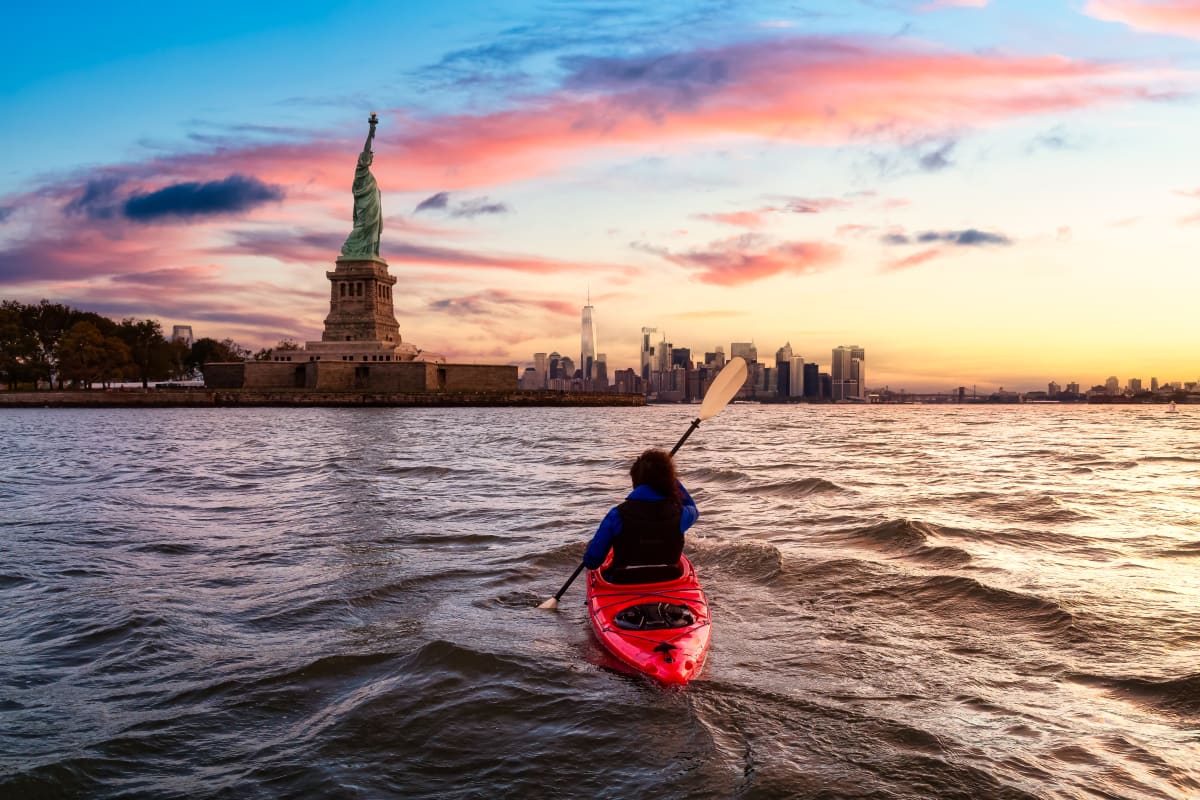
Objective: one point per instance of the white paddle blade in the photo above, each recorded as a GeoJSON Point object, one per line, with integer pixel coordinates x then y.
{"type": "Point", "coordinates": [723, 388]}
{"type": "Point", "coordinates": [550, 605]}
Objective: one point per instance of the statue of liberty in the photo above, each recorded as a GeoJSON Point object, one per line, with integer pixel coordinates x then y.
{"type": "Point", "coordinates": [363, 241]}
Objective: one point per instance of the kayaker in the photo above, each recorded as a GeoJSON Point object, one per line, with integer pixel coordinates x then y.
{"type": "Point", "coordinates": [645, 533]}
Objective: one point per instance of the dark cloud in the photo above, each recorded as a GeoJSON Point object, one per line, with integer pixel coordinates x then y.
{"type": "Point", "coordinates": [477, 206]}
{"type": "Point", "coordinates": [937, 159]}
{"type": "Point", "coordinates": [565, 30]}
{"type": "Point", "coordinates": [923, 156]}
{"type": "Point", "coordinates": [232, 195]}
{"type": "Point", "coordinates": [681, 71]}
{"type": "Point", "coordinates": [1057, 138]}
{"type": "Point", "coordinates": [472, 207]}
{"type": "Point", "coordinates": [493, 302]}
{"type": "Point", "coordinates": [98, 200]}
{"type": "Point", "coordinates": [6, 212]}
{"type": "Point", "coordinates": [970, 237]}
{"type": "Point", "coordinates": [438, 201]}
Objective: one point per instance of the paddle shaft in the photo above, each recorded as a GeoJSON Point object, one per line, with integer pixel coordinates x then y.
{"type": "Point", "coordinates": [558, 595]}
{"type": "Point", "coordinates": [687, 433]}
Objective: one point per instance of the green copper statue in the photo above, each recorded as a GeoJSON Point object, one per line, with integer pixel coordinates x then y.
{"type": "Point", "coordinates": [363, 241]}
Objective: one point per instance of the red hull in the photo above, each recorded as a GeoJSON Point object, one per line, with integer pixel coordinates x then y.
{"type": "Point", "coordinates": [670, 655]}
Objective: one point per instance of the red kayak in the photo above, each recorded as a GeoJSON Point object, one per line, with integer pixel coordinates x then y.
{"type": "Point", "coordinates": [660, 627]}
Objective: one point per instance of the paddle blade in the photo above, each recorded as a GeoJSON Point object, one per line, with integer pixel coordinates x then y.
{"type": "Point", "coordinates": [550, 605]}
{"type": "Point", "coordinates": [724, 387]}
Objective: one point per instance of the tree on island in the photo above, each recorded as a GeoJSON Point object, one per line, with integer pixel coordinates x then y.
{"type": "Point", "coordinates": [44, 342]}
{"type": "Point", "coordinates": [285, 345]}
{"type": "Point", "coordinates": [208, 350]}
{"type": "Point", "coordinates": [154, 358]}
{"type": "Point", "coordinates": [86, 356]}
{"type": "Point", "coordinates": [19, 351]}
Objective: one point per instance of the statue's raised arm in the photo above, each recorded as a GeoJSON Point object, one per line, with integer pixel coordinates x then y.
{"type": "Point", "coordinates": [363, 241]}
{"type": "Point", "coordinates": [372, 121]}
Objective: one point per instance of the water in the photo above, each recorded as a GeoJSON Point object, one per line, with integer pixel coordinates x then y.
{"type": "Point", "coordinates": [909, 602]}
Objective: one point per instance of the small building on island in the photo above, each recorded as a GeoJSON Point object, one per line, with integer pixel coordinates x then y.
{"type": "Point", "coordinates": [361, 349]}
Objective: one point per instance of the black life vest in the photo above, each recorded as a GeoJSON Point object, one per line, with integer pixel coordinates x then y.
{"type": "Point", "coordinates": [649, 534]}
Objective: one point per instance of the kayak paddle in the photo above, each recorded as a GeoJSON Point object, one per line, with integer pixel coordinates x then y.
{"type": "Point", "coordinates": [719, 393]}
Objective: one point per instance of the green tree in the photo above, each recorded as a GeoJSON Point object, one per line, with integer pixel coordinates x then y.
{"type": "Point", "coordinates": [206, 350]}
{"type": "Point", "coordinates": [87, 356]}
{"type": "Point", "coordinates": [48, 322]}
{"type": "Point", "coordinates": [152, 355]}
{"type": "Point", "coordinates": [19, 352]}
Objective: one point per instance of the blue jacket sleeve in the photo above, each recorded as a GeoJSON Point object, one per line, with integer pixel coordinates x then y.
{"type": "Point", "coordinates": [690, 512]}
{"type": "Point", "coordinates": [597, 549]}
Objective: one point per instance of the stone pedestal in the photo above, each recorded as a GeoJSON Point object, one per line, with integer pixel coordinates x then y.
{"type": "Point", "coordinates": [360, 303]}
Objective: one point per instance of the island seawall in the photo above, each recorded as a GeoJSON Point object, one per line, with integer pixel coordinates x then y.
{"type": "Point", "coordinates": [210, 398]}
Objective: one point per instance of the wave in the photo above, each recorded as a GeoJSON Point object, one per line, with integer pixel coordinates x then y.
{"type": "Point", "coordinates": [422, 471]}
{"type": "Point", "coordinates": [715, 475]}
{"type": "Point", "coordinates": [1185, 550]}
{"type": "Point", "coordinates": [802, 487]}
{"type": "Point", "coordinates": [1038, 507]}
{"type": "Point", "coordinates": [1178, 697]}
{"type": "Point", "coordinates": [961, 594]}
{"type": "Point", "coordinates": [909, 539]}
{"type": "Point", "coordinates": [8, 581]}
{"type": "Point", "coordinates": [753, 559]}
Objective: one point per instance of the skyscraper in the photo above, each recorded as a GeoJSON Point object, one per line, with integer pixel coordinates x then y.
{"type": "Point", "coordinates": [587, 350]}
{"type": "Point", "coordinates": [796, 377]}
{"type": "Point", "coordinates": [647, 354]}
{"type": "Point", "coordinates": [812, 382]}
{"type": "Point", "coordinates": [540, 363]}
{"type": "Point", "coordinates": [839, 371]}
{"type": "Point", "coordinates": [849, 378]}
{"type": "Point", "coordinates": [783, 370]}
{"type": "Point", "coordinates": [746, 350]}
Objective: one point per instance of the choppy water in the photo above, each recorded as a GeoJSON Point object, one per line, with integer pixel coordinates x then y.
{"type": "Point", "coordinates": [909, 602]}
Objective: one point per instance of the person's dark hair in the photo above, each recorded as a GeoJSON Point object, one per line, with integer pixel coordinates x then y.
{"type": "Point", "coordinates": [654, 468]}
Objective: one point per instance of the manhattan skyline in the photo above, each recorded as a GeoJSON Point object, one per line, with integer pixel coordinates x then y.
{"type": "Point", "coordinates": [993, 193]}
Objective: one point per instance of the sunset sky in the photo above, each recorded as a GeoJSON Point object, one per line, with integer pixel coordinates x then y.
{"type": "Point", "coordinates": [997, 193]}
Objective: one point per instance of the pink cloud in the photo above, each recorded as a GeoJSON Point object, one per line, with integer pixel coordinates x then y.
{"type": "Point", "coordinates": [758, 217]}
{"type": "Point", "coordinates": [740, 219]}
{"type": "Point", "coordinates": [751, 257]}
{"type": "Point", "coordinates": [813, 205]}
{"type": "Point", "coordinates": [1172, 17]}
{"type": "Point", "coordinates": [914, 260]}
{"type": "Point", "coordinates": [814, 90]}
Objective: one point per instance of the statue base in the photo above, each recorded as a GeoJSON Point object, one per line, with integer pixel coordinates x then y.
{"type": "Point", "coordinates": [361, 259]}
